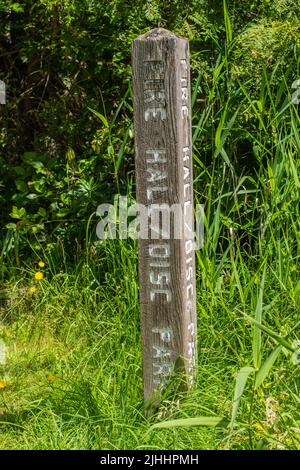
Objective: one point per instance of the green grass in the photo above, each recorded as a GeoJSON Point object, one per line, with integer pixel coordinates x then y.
{"type": "Point", "coordinates": [73, 370]}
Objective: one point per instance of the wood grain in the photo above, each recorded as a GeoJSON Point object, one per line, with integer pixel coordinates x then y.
{"type": "Point", "coordinates": [163, 152]}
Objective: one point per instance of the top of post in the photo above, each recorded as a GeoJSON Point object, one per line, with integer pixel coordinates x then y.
{"type": "Point", "coordinates": [156, 34]}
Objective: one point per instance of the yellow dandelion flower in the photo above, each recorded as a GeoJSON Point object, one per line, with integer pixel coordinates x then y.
{"type": "Point", "coordinates": [2, 384]}
{"type": "Point", "coordinates": [32, 290]}
{"type": "Point", "coordinates": [38, 276]}
{"type": "Point", "coordinates": [41, 264]}
{"type": "Point", "coordinates": [50, 378]}
{"type": "Point", "coordinates": [258, 426]}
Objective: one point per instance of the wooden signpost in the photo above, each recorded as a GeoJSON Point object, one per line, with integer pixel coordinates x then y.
{"type": "Point", "coordinates": [163, 147]}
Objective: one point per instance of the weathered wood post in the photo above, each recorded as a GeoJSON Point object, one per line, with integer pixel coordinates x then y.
{"type": "Point", "coordinates": [163, 147]}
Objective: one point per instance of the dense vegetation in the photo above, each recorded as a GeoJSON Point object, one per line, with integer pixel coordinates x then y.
{"type": "Point", "coordinates": [72, 375]}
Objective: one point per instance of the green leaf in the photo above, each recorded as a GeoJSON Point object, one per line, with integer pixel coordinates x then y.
{"type": "Point", "coordinates": [17, 7]}
{"type": "Point", "coordinates": [220, 127]}
{"type": "Point", "coordinates": [121, 152]}
{"type": "Point", "coordinates": [100, 116]}
{"type": "Point", "coordinates": [30, 157]}
{"type": "Point", "coordinates": [11, 226]}
{"type": "Point", "coordinates": [294, 171]}
{"type": "Point", "coordinates": [227, 23]}
{"type": "Point", "coordinates": [63, 212]}
{"type": "Point", "coordinates": [270, 332]}
{"type": "Point", "coordinates": [266, 367]}
{"type": "Point", "coordinates": [70, 154]}
{"type": "Point", "coordinates": [238, 391]}
{"type": "Point", "coordinates": [259, 105]}
{"type": "Point", "coordinates": [21, 186]}
{"type": "Point", "coordinates": [195, 89]}
{"type": "Point", "coordinates": [211, 421]}
{"type": "Point", "coordinates": [37, 228]}
{"type": "Point", "coordinates": [297, 294]}
{"type": "Point", "coordinates": [37, 165]}
{"type": "Point", "coordinates": [223, 131]}
{"type": "Point", "coordinates": [216, 75]}
{"type": "Point", "coordinates": [251, 102]}
{"type": "Point", "coordinates": [256, 342]}
{"type": "Point", "coordinates": [42, 212]}
{"type": "Point", "coordinates": [32, 196]}
{"type": "Point", "coordinates": [19, 170]}
{"type": "Point", "coordinates": [18, 213]}
{"type": "Point", "coordinates": [39, 184]}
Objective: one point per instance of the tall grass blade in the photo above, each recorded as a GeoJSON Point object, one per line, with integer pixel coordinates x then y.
{"type": "Point", "coordinates": [228, 26]}
{"type": "Point", "coordinates": [99, 116]}
{"type": "Point", "coordinates": [256, 343]}
{"type": "Point", "coordinates": [270, 332]}
{"type": "Point", "coordinates": [240, 383]}
{"type": "Point", "coordinates": [212, 421]}
{"type": "Point", "coordinates": [267, 366]}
